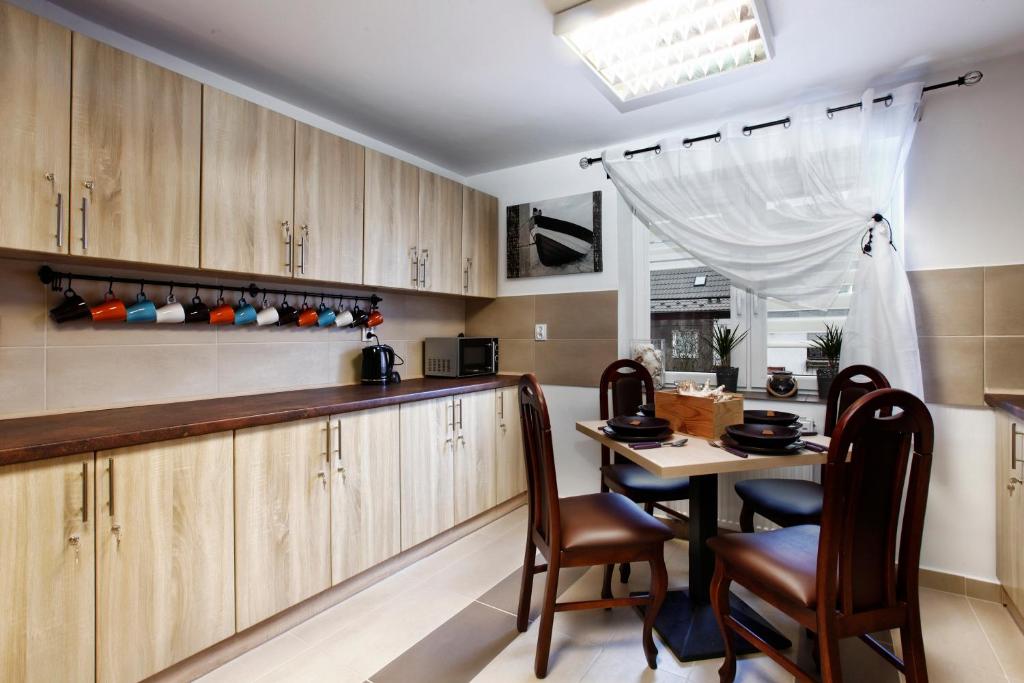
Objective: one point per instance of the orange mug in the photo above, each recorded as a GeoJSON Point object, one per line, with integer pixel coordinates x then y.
{"type": "Point", "coordinates": [223, 314]}
{"type": "Point", "coordinates": [111, 310]}
{"type": "Point", "coordinates": [376, 318]}
{"type": "Point", "coordinates": [307, 317]}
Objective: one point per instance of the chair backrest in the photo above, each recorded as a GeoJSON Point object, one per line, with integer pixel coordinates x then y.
{"type": "Point", "coordinates": [881, 436]}
{"type": "Point", "coordinates": [630, 385]}
{"type": "Point", "coordinates": [846, 389]}
{"type": "Point", "coordinates": [541, 484]}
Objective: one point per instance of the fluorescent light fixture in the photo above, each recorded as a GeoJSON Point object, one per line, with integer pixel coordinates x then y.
{"type": "Point", "coordinates": [640, 48]}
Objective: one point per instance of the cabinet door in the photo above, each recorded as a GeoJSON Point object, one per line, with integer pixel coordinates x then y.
{"type": "Point", "coordinates": [282, 517]}
{"type": "Point", "coordinates": [135, 132]}
{"type": "Point", "coordinates": [440, 240]}
{"type": "Point", "coordinates": [328, 206]}
{"type": "Point", "coordinates": [165, 567]}
{"type": "Point", "coordinates": [248, 177]}
{"type": "Point", "coordinates": [365, 484]}
{"type": "Point", "coordinates": [35, 79]}
{"type": "Point", "coordinates": [508, 436]}
{"type": "Point", "coordinates": [479, 243]}
{"type": "Point", "coordinates": [1010, 507]}
{"type": "Point", "coordinates": [391, 222]}
{"type": "Point", "coordinates": [474, 454]}
{"type": "Point", "coordinates": [427, 493]}
{"type": "Point", "coordinates": [47, 579]}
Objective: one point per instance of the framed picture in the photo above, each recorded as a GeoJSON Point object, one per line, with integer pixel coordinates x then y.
{"type": "Point", "coordinates": [554, 236]}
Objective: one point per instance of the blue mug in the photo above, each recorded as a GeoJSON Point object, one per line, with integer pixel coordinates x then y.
{"type": "Point", "coordinates": [245, 314]}
{"type": "Point", "coordinates": [142, 311]}
{"type": "Point", "coordinates": [325, 316]}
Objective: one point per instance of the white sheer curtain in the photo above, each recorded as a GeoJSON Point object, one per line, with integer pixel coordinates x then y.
{"type": "Point", "coordinates": [782, 213]}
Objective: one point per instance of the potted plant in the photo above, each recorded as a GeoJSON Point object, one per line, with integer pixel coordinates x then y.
{"type": "Point", "coordinates": [831, 346]}
{"type": "Point", "coordinates": [723, 342]}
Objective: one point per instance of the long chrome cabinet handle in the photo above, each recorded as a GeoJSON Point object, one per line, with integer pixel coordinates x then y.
{"type": "Point", "coordinates": [423, 267]}
{"type": "Point", "coordinates": [1013, 446]}
{"type": "Point", "coordinates": [110, 484]}
{"type": "Point", "coordinates": [337, 446]}
{"type": "Point", "coordinates": [85, 491]}
{"type": "Point", "coordinates": [60, 219]}
{"type": "Point", "coordinates": [287, 227]}
{"type": "Point", "coordinates": [302, 249]}
{"type": "Point", "coordinates": [414, 266]}
{"type": "Point", "coordinates": [468, 271]}
{"type": "Point", "coordinates": [88, 185]}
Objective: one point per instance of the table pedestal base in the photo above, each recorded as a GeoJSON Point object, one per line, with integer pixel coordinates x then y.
{"type": "Point", "coordinates": [691, 631]}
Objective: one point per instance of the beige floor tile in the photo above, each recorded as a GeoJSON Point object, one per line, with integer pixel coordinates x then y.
{"type": "Point", "coordinates": [625, 663]}
{"type": "Point", "coordinates": [954, 641]}
{"type": "Point", "coordinates": [22, 381]}
{"type": "Point", "coordinates": [255, 663]}
{"type": "Point", "coordinates": [1003, 634]}
{"type": "Point", "coordinates": [569, 660]}
{"type": "Point", "coordinates": [750, 669]}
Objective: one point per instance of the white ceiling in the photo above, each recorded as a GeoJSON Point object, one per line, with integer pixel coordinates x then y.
{"type": "Point", "coordinates": [476, 85]}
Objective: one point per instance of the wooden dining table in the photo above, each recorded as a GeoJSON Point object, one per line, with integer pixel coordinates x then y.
{"type": "Point", "coordinates": [687, 622]}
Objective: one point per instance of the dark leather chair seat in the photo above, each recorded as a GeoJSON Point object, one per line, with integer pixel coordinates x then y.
{"type": "Point", "coordinates": [786, 502]}
{"type": "Point", "coordinates": [600, 521]}
{"type": "Point", "coordinates": [638, 484]}
{"type": "Point", "coordinates": [784, 561]}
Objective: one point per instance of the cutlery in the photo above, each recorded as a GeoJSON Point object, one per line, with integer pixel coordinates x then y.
{"type": "Point", "coordinates": [816, 447]}
{"type": "Point", "coordinates": [728, 449]}
{"type": "Point", "coordinates": [657, 444]}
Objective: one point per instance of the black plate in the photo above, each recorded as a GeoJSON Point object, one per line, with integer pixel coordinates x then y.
{"type": "Point", "coordinates": [791, 449]}
{"type": "Point", "coordinates": [754, 435]}
{"type": "Point", "coordinates": [611, 434]}
{"type": "Point", "coordinates": [762, 417]}
{"type": "Point", "coordinates": [638, 425]}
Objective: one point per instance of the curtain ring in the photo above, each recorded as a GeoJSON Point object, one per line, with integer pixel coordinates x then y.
{"type": "Point", "coordinates": [628, 155]}
{"type": "Point", "coordinates": [888, 101]}
{"type": "Point", "coordinates": [747, 132]}
{"type": "Point", "coordinates": [687, 144]}
{"type": "Point", "coordinates": [657, 150]}
{"type": "Point", "coordinates": [829, 113]}
{"type": "Point", "coordinates": [718, 137]}
{"type": "Point", "coordinates": [787, 123]}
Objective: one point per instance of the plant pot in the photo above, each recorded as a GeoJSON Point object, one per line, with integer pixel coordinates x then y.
{"type": "Point", "coordinates": [825, 377]}
{"type": "Point", "coordinates": [727, 377]}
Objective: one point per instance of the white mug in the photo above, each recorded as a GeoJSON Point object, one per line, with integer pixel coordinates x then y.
{"type": "Point", "coordinates": [171, 312]}
{"type": "Point", "coordinates": [344, 318]}
{"type": "Point", "coordinates": [267, 315]}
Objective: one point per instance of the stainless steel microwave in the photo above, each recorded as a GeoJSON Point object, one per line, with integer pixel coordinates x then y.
{"type": "Point", "coordinates": [460, 356]}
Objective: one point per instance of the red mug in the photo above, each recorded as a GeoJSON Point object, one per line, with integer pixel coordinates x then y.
{"type": "Point", "coordinates": [111, 310]}
{"type": "Point", "coordinates": [308, 317]}
{"type": "Point", "coordinates": [223, 314]}
{"type": "Point", "coordinates": [376, 318]}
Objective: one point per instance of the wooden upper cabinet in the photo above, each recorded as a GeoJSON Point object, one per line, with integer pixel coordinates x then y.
{"type": "Point", "coordinates": [165, 561]}
{"type": "Point", "coordinates": [35, 79]}
{"type": "Point", "coordinates": [474, 454]}
{"type": "Point", "coordinates": [440, 240]}
{"type": "Point", "coordinates": [328, 206]}
{"type": "Point", "coordinates": [248, 177]}
{"type": "Point", "coordinates": [479, 243]}
{"type": "Point", "coordinates": [47, 569]}
{"type": "Point", "coordinates": [135, 150]}
{"type": "Point", "coordinates": [391, 222]}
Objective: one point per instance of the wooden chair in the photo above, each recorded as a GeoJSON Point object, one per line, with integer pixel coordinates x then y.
{"type": "Point", "coordinates": [791, 502]}
{"type": "Point", "coordinates": [581, 531]}
{"type": "Point", "coordinates": [630, 385]}
{"type": "Point", "coordinates": [851, 576]}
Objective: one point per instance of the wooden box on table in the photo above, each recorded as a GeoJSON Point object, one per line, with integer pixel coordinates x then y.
{"type": "Point", "coordinates": [698, 415]}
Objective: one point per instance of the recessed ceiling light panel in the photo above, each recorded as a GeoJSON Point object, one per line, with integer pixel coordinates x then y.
{"type": "Point", "coordinates": [640, 48]}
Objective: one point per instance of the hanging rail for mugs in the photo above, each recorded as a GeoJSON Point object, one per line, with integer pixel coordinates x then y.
{"type": "Point", "coordinates": [145, 311]}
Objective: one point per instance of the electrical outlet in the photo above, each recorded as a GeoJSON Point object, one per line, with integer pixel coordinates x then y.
{"type": "Point", "coordinates": [541, 332]}
{"type": "Point", "coordinates": [367, 334]}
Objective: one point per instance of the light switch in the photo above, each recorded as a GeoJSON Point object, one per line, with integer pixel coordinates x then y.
{"type": "Point", "coordinates": [541, 332]}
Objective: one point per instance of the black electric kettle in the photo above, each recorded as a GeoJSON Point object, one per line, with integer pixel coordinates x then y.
{"type": "Point", "coordinates": [379, 363]}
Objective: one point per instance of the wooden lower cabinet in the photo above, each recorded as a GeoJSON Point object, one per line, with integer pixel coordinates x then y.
{"type": "Point", "coordinates": [282, 517]}
{"type": "Point", "coordinates": [428, 497]}
{"type": "Point", "coordinates": [365, 484]}
{"type": "Point", "coordinates": [510, 465]}
{"type": "Point", "coordinates": [1010, 507]}
{"type": "Point", "coordinates": [474, 454]}
{"type": "Point", "coordinates": [165, 563]}
{"type": "Point", "coordinates": [47, 571]}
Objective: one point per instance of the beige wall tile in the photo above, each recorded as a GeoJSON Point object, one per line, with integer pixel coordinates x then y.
{"type": "Point", "coordinates": [96, 376]}
{"type": "Point", "coordinates": [507, 317]}
{"type": "Point", "coordinates": [583, 315]}
{"type": "Point", "coordinates": [573, 363]}
{"type": "Point", "coordinates": [1004, 364]}
{"type": "Point", "coordinates": [408, 317]}
{"type": "Point", "coordinates": [948, 302]}
{"type": "Point", "coordinates": [21, 380]}
{"type": "Point", "coordinates": [952, 369]}
{"type": "Point", "coordinates": [344, 360]}
{"type": "Point", "coordinates": [516, 355]}
{"type": "Point", "coordinates": [1004, 300]}
{"type": "Point", "coordinates": [243, 368]}
{"type": "Point", "coordinates": [413, 354]}
{"type": "Point", "coordinates": [22, 304]}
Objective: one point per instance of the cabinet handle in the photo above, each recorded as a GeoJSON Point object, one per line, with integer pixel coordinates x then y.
{"type": "Point", "coordinates": [60, 219]}
{"type": "Point", "coordinates": [414, 269]}
{"type": "Point", "coordinates": [460, 415]}
{"type": "Point", "coordinates": [465, 273]}
{"type": "Point", "coordinates": [1013, 446]}
{"type": "Point", "coordinates": [302, 249]}
{"type": "Point", "coordinates": [423, 267]}
{"type": "Point", "coordinates": [110, 484]}
{"type": "Point", "coordinates": [327, 453]}
{"type": "Point", "coordinates": [85, 223]}
{"type": "Point", "coordinates": [337, 446]}
{"type": "Point", "coordinates": [85, 492]}
{"type": "Point", "coordinates": [287, 227]}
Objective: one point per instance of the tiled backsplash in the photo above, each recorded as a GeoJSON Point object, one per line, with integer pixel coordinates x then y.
{"type": "Point", "coordinates": [970, 324]}
{"type": "Point", "coordinates": [45, 367]}
{"type": "Point", "coordinates": [582, 334]}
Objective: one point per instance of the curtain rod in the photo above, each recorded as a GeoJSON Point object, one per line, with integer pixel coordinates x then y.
{"type": "Point", "coordinates": [970, 78]}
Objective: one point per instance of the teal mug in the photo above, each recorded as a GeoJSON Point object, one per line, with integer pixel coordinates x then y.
{"type": "Point", "coordinates": [325, 316]}
{"type": "Point", "coordinates": [245, 314]}
{"type": "Point", "coordinates": [142, 311]}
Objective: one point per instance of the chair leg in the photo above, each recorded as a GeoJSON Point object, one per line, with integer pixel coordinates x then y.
{"type": "Point", "coordinates": [659, 587]}
{"type": "Point", "coordinates": [747, 518]}
{"type": "Point", "coordinates": [606, 585]}
{"type": "Point", "coordinates": [828, 651]}
{"type": "Point", "coordinates": [624, 572]}
{"type": "Point", "coordinates": [913, 645]}
{"type": "Point", "coordinates": [547, 618]}
{"type": "Point", "coordinates": [649, 508]}
{"type": "Point", "coordinates": [526, 587]}
{"type": "Point", "coordinates": [720, 602]}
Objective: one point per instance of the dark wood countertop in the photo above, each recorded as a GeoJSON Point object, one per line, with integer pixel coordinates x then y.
{"type": "Point", "coordinates": [50, 436]}
{"type": "Point", "coordinates": [1011, 403]}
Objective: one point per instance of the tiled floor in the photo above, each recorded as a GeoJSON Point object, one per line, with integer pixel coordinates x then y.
{"type": "Point", "coordinates": [449, 619]}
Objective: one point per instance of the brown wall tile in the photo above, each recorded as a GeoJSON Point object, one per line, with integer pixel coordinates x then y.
{"type": "Point", "coordinates": [507, 317]}
{"type": "Point", "coordinates": [1004, 364]}
{"type": "Point", "coordinates": [1004, 300]}
{"type": "Point", "coordinates": [516, 355]}
{"type": "Point", "coordinates": [948, 302]}
{"type": "Point", "coordinates": [953, 369]}
{"type": "Point", "coordinates": [574, 363]}
{"type": "Point", "coordinates": [582, 315]}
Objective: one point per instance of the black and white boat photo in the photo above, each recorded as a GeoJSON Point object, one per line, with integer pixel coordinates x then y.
{"type": "Point", "coordinates": [555, 236]}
